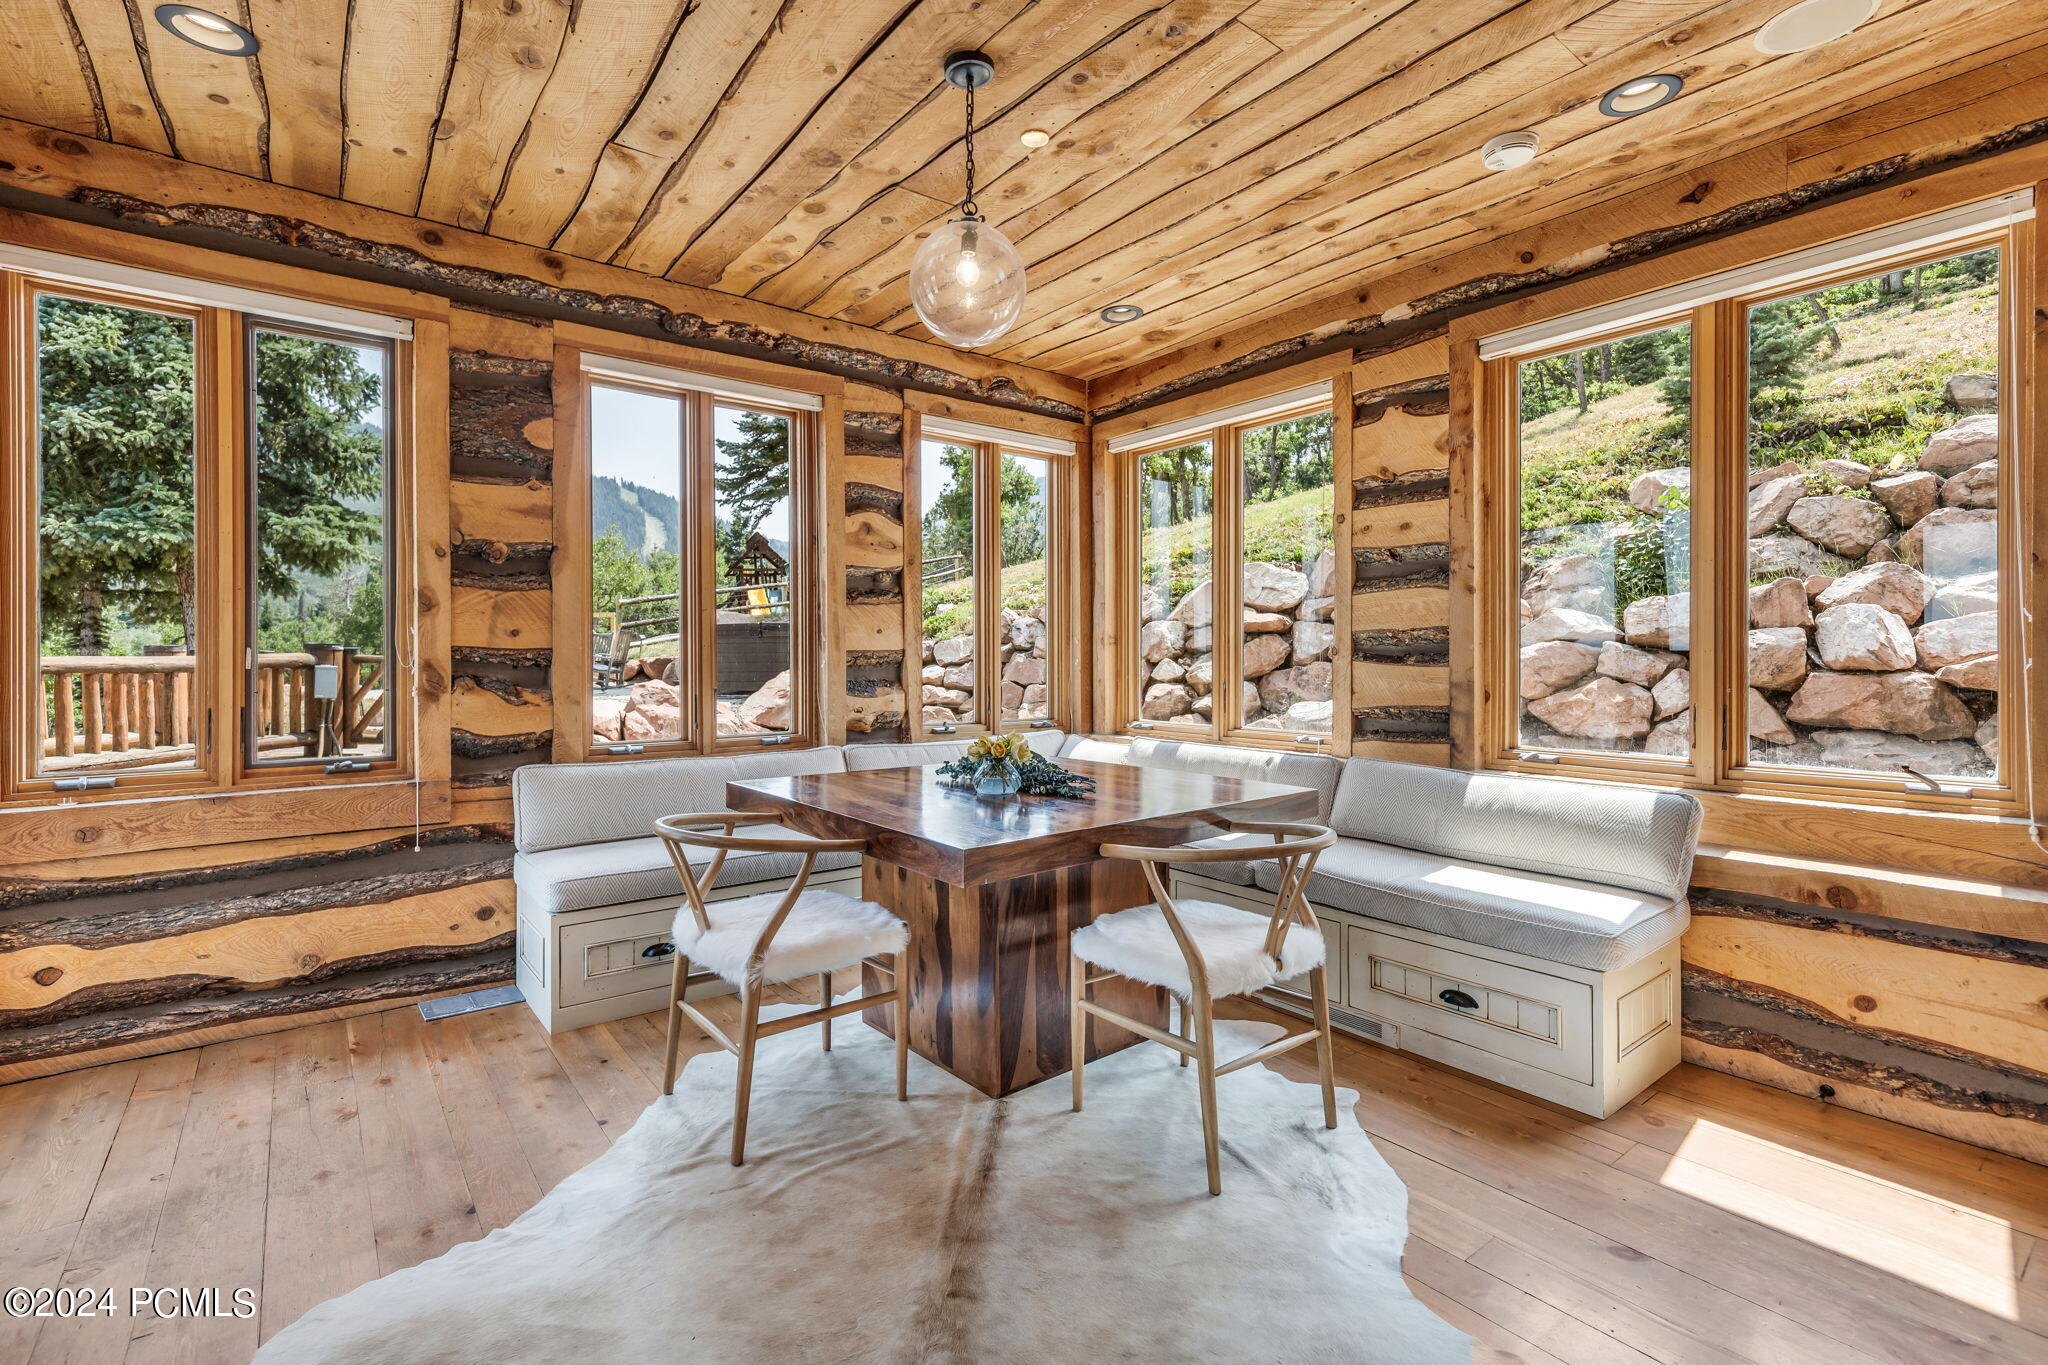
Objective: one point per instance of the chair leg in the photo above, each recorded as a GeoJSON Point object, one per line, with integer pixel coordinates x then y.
{"type": "Point", "coordinates": [750, 1026]}
{"type": "Point", "coordinates": [1187, 1026]}
{"type": "Point", "coordinates": [901, 970]}
{"type": "Point", "coordinates": [825, 1002]}
{"type": "Point", "coordinates": [1077, 1022]}
{"type": "Point", "coordinates": [1326, 1063]}
{"type": "Point", "coordinates": [1205, 1064]}
{"type": "Point", "coordinates": [677, 985]}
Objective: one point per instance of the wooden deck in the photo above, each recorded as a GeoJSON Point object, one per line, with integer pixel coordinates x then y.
{"type": "Point", "coordinates": [1713, 1220]}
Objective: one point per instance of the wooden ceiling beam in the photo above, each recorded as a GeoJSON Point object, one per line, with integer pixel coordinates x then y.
{"type": "Point", "coordinates": [606, 61]}
{"type": "Point", "coordinates": [305, 46]}
{"type": "Point", "coordinates": [504, 53]}
{"type": "Point", "coordinates": [400, 53]}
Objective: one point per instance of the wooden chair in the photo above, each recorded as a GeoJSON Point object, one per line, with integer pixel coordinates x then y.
{"type": "Point", "coordinates": [752, 942]}
{"type": "Point", "coordinates": [1203, 951]}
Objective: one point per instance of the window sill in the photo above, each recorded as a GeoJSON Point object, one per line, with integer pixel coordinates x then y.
{"type": "Point", "coordinates": [87, 829]}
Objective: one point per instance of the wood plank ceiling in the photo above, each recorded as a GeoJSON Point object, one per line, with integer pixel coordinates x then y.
{"type": "Point", "coordinates": [1213, 160]}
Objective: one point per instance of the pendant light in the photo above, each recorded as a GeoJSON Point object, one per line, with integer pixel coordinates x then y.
{"type": "Point", "coordinates": [967, 280]}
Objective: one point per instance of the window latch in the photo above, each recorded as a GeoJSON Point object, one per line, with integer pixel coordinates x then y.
{"type": "Point", "coordinates": [83, 784]}
{"type": "Point", "coordinates": [347, 765]}
{"type": "Point", "coordinates": [944, 729]}
{"type": "Point", "coordinates": [1936, 785]}
{"type": "Point", "coordinates": [1538, 758]}
{"type": "Point", "coordinates": [1041, 725]}
{"type": "Point", "coordinates": [625, 748]}
{"type": "Point", "coordinates": [775, 739]}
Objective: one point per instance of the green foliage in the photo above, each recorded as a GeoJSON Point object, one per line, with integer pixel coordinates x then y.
{"type": "Point", "coordinates": [1653, 558]}
{"type": "Point", "coordinates": [752, 474]}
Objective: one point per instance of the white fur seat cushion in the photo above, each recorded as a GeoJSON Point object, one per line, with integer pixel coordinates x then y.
{"type": "Point", "coordinates": [1138, 944]}
{"type": "Point", "coordinates": [824, 932]}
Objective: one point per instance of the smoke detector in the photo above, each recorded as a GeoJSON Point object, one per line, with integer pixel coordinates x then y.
{"type": "Point", "coordinates": [1510, 150]}
{"type": "Point", "coordinates": [1810, 23]}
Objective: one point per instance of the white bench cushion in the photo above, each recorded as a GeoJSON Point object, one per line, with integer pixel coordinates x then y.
{"type": "Point", "coordinates": [862, 757]}
{"type": "Point", "coordinates": [558, 805]}
{"type": "Point", "coordinates": [1559, 919]}
{"type": "Point", "coordinates": [1232, 943]}
{"type": "Point", "coordinates": [1089, 749]}
{"type": "Point", "coordinates": [824, 932]}
{"type": "Point", "coordinates": [556, 880]}
{"type": "Point", "coordinates": [1318, 772]}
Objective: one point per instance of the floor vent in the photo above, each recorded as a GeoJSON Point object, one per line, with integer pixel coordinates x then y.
{"type": "Point", "coordinates": [469, 1002]}
{"type": "Point", "coordinates": [1368, 1026]}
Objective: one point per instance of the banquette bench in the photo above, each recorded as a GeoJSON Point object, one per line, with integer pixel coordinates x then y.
{"type": "Point", "coordinates": [1524, 929]}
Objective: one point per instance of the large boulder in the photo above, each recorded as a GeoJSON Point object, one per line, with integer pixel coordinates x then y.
{"type": "Point", "coordinates": [1979, 674]}
{"type": "Point", "coordinates": [1565, 573]}
{"type": "Point", "coordinates": [1323, 579]}
{"type": "Point", "coordinates": [1325, 608]}
{"type": "Point", "coordinates": [1777, 658]}
{"type": "Point", "coordinates": [1971, 392]}
{"type": "Point", "coordinates": [1304, 717]}
{"type": "Point", "coordinates": [1759, 477]}
{"type": "Point", "coordinates": [1970, 593]}
{"type": "Point", "coordinates": [1673, 693]}
{"type": "Point", "coordinates": [959, 675]}
{"type": "Point", "coordinates": [1273, 587]}
{"type": "Point", "coordinates": [607, 718]}
{"type": "Point", "coordinates": [1658, 622]}
{"type": "Point", "coordinates": [957, 650]}
{"type": "Point", "coordinates": [1605, 708]}
{"type": "Point", "coordinates": [1976, 486]}
{"type": "Point", "coordinates": [1861, 637]}
{"type": "Point", "coordinates": [1267, 622]}
{"type": "Point", "coordinates": [1970, 441]}
{"type": "Point", "coordinates": [1161, 639]}
{"type": "Point", "coordinates": [1850, 473]}
{"type": "Point", "coordinates": [1552, 664]}
{"type": "Point", "coordinates": [951, 697]}
{"type": "Point", "coordinates": [1875, 751]}
{"type": "Point", "coordinates": [1957, 639]}
{"type": "Point", "coordinates": [1313, 640]}
{"type": "Point", "coordinates": [1909, 496]}
{"type": "Point", "coordinates": [1671, 738]}
{"type": "Point", "coordinates": [1782, 555]}
{"type": "Point", "coordinates": [1263, 654]}
{"type": "Point", "coordinates": [1765, 723]}
{"type": "Point", "coordinates": [771, 705]}
{"type": "Point", "coordinates": [1952, 541]}
{"type": "Point", "coordinates": [1197, 607]}
{"type": "Point", "coordinates": [1646, 493]}
{"type": "Point", "coordinates": [1899, 588]}
{"type": "Point", "coordinates": [1897, 703]}
{"type": "Point", "coordinates": [1771, 500]}
{"type": "Point", "coordinates": [1201, 674]}
{"type": "Point", "coordinates": [1164, 701]}
{"type": "Point", "coordinates": [1780, 602]}
{"type": "Point", "coordinates": [1987, 738]}
{"type": "Point", "coordinates": [1640, 666]}
{"type": "Point", "coordinates": [1563, 623]}
{"type": "Point", "coordinates": [1848, 526]}
{"type": "Point", "coordinates": [1283, 688]}
{"type": "Point", "coordinates": [1168, 670]}
{"type": "Point", "coordinates": [1024, 669]}
{"type": "Point", "coordinates": [654, 710]}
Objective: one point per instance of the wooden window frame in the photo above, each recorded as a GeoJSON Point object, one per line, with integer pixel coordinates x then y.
{"type": "Point", "coordinates": [987, 567]}
{"type": "Point", "coordinates": [1226, 519]}
{"type": "Point", "coordinates": [225, 796]}
{"type": "Point", "coordinates": [812, 450]}
{"type": "Point", "coordinates": [1719, 755]}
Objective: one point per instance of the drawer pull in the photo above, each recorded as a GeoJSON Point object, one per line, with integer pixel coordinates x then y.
{"type": "Point", "coordinates": [1457, 999]}
{"type": "Point", "coordinates": [659, 950]}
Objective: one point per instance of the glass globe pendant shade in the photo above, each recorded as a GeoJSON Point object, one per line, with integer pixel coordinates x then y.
{"type": "Point", "coordinates": [967, 282]}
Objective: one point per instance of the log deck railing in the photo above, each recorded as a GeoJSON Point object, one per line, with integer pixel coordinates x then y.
{"type": "Point", "coordinates": [103, 711]}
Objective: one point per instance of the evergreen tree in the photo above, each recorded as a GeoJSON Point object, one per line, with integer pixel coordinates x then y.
{"type": "Point", "coordinates": [752, 474]}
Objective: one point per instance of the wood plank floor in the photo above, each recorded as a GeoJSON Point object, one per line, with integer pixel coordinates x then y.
{"type": "Point", "coordinates": [1712, 1220]}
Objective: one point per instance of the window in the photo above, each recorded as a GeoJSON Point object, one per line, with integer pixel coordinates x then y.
{"type": "Point", "coordinates": [208, 495]}
{"type": "Point", "coordinates": [1775, 562]}
{"type": "Point", "coordinates": [989, 600]}
{"type": "Point", "coordinates": [1255, 494]}
{"type": "Point", "coordinates": [697, 560]}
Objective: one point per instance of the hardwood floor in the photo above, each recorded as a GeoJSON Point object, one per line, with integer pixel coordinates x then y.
{"type": "Point", "coordinates": [1712, 1220]}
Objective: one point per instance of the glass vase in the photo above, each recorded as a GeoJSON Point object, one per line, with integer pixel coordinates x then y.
{"type": "Point", "coordinates": [998, 777]}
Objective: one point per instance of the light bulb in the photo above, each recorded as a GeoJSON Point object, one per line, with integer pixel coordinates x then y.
{"type": "Point", "coordinates": [967, 282]}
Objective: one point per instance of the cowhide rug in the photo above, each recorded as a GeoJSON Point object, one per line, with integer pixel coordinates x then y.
{"type": "Point", "coordinates": [953, 1228]}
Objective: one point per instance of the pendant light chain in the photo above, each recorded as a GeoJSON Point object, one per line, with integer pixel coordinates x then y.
{"type": "Point", "coordinates": [968, 208]}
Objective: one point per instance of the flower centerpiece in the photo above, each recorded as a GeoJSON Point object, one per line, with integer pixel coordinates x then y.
{"type": "Point", "coordinates": [1003, 765]}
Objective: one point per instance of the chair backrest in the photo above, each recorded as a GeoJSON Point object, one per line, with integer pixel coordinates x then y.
{"type": "Point", "coordinates": [680, 832]}
{"type": "Point", "coordinates": [1295, 847]}
{"type": "Point", "coordinates": [557, 805]}
{"type": "Point", "coordinates": [1591, 832]}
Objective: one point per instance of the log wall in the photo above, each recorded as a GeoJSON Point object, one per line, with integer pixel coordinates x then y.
{"type": "Point", "coordinates": [1919, 998]}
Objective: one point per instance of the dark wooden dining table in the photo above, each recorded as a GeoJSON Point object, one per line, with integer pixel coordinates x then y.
{"type": "Point", "coordinates": [992, 888]}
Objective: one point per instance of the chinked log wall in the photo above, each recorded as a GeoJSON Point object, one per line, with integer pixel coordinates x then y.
{"type": "Point", "coordinates": [1901, 1006]}
{"type": "Point", "coordinates": [130, 953]}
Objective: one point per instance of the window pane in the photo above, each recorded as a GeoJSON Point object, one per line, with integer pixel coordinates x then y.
{"type": "Point", "coordinates": [1176, 552]}
{"type": "Point", "coordinates": [1289, 567]}
{"type": "Point", "coordinates": [1027, 602]}
{"type": "Point", "coordinates": [1606, 546]}
{"type": "Point", "coordinates": [946, 500]}
{"type": "Point", "coordinates": [1873, 523]}
{"type": "Point", "coordinates": [636, 530]}
{"type": "Point", "coordinates": [117, 545]}
{"type": "Point", "coordinates": [323, 638]}
{"type": "Point", "coordinates": [755, 593]}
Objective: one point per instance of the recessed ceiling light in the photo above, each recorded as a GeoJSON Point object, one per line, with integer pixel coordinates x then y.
{"type": "Point", "coordinates": [203, 28]}
{"type": "Point", "coordinates": [1510, 150]}
{"type": "Point", "coordinates": [1641, 95]}
{"type": "Point", "coordinates": [1034, 137]}
{"type": "Point", "coordinates": [1811, 23]}
{"type": "Point", "coordinates": [1122, 312]}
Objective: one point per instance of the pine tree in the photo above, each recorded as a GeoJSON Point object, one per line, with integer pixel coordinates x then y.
{"type": "Point", "coordinates": [752, 474]}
